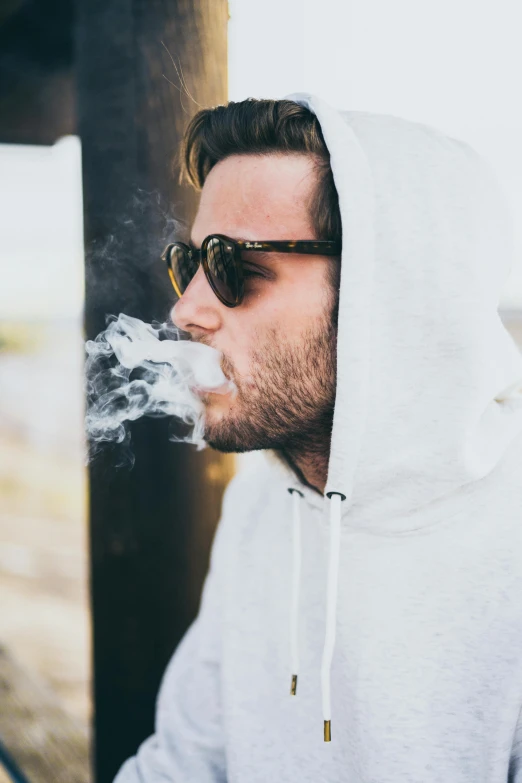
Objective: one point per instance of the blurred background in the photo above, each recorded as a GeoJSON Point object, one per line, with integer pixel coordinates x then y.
{"type": "Point", "coordinates": [84, 602]}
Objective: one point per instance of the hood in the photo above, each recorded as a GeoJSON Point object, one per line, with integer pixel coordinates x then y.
{"type": "Point", "coordinates": [429, 381]}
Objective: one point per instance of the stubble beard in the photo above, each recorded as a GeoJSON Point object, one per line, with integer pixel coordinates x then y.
{"type": "Point", "coordinates": [289, 403]}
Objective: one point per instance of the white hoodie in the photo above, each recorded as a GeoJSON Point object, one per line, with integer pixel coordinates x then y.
{"type": "Point", "coordinates": [396, 599]}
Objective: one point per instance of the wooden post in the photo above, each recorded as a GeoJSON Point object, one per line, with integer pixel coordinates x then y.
{"type": "Point", "coordinates": [36, 71]}
{"type": "Point", "coordinates": [150, 527]}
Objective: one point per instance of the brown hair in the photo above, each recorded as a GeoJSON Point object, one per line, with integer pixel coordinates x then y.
{"type": "Point", "coordinates": [261, 126]}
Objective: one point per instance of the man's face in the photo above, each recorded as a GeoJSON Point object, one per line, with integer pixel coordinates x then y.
{"type": "Point", "coordinates": [279, 344]}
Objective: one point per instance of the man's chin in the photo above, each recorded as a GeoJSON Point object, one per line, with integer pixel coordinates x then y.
{"type": "Point", "coordinates": [221, 434]}
{"type": "Point", "coordinates": [217, 429]}
{"type": "Point", "coordinates": [221, 441]}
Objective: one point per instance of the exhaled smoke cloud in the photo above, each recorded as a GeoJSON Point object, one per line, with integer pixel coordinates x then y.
{"type": "Point", "coordinates": [135, 369]}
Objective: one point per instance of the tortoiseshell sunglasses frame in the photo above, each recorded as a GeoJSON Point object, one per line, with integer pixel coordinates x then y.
{"type": "Point", "coordinates": [320, 247]}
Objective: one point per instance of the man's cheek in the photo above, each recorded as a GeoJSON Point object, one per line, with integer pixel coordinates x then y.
{"type": "Point", "coordinates": [236, 368]}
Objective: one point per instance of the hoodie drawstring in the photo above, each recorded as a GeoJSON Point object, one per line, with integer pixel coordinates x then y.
{"type": "Point", "coordinates": [331, 599]}
{"type": "Point", "coordinates": [331, 607]}
{"type": "Point", "coordinates": [296, 581]}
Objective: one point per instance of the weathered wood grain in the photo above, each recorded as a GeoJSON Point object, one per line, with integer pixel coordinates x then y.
{"type": "Point", "coordinates": [150, 527]}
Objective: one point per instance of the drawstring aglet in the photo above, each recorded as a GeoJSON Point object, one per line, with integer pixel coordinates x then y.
{"type": "Point", "coordinates": [327, 731]}
{"type": "Point", "coordinates": [293, 686]}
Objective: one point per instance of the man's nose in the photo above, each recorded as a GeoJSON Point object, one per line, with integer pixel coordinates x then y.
{"type": "Point", "coordinates": [198, 308]}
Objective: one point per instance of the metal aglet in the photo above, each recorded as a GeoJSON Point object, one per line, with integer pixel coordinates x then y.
{"type": "Point", "coordinates": [293, 686]}
{"type": "Point", "coordinates": [327, 731]}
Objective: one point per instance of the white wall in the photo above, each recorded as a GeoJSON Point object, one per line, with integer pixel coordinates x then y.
{"type": "Point", "coordinates": [455, 64]}
{"type": "Point", "coordinates": [41, 235]}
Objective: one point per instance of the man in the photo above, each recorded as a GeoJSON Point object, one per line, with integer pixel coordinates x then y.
{"type": "Point", "coordinates": [385, 590]}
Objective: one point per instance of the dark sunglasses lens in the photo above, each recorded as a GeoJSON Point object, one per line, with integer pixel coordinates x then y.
{"type": "Point", "coordinates": [182, 268]}
{"type": "Point", "coordinates": [222, 269]}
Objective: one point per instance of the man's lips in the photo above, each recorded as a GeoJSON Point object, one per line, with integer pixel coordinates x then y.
{"type": "Point", "coordinates": [201, 390]}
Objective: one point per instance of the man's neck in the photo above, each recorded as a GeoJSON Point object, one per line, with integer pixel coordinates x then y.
{"type": "Point", "coordinates": [310, 469]}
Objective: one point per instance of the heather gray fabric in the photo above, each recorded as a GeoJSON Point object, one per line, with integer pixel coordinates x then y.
{"type": "Point", "coordinates": [401, 605]}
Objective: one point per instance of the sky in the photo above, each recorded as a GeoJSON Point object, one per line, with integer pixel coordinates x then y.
{"type": "Point", "coordinates": [452, 64]}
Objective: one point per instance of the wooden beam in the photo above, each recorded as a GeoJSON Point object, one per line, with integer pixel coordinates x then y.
{"type": "Point", "coordinates": [151, 527]}
{"type": "Point", "coordinates": [37, 94]}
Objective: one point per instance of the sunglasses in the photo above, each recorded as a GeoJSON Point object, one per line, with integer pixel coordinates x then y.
{"type": "Point", "coordinates": [223, 265]}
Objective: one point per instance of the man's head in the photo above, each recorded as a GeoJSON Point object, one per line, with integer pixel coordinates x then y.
{"type": "Point", "coordinates": [264, 174]}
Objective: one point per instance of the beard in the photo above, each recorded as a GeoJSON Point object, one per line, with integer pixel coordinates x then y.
{"type": "Point", "coordinates": [288, 405]}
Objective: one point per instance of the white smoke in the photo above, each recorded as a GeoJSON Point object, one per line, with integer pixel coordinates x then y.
{"type": "Point", "coordinates": [167, 374]}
